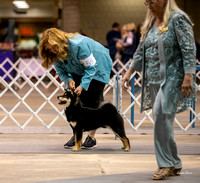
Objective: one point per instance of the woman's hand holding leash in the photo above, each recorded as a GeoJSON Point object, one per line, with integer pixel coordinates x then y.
{"type": "Point", "coordinates": [71, 84]}
{"type": "Point", "coordinates": [126, 78]}
{"type": "Point", "coordinates": [78, 90]}
{"type": "Point", "coordinates": [187, 86]}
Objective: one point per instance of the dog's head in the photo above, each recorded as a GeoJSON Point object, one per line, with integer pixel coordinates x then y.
{"type": "Point", "coordinates": [68, 98]}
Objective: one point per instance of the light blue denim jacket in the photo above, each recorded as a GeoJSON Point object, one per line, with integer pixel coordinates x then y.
{"type": "Point", "coordinates": [177, 54]}
{"type": "Point", "coordinates": [79, 49]}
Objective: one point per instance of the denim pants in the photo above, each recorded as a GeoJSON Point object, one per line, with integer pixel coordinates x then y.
{"type": "Point", "coordinates": [164, 142]}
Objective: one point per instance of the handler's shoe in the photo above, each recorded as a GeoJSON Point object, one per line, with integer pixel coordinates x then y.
{"type": "Point", "coordinates": [176, 172]}
{"type": "Point", "coordinates": [162, 173]}
{"type": "Point", "coordinates": [89, 143]}
{"type": "Point", "coordinates": [70, 143]}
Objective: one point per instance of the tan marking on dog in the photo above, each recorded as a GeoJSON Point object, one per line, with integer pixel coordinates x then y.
{"type": "Point", "coordinates": [126, 144]}
{"type": "Point", "coordinates": [77, 100]}
{"type": "Point", "coordinates": [62, 99]}
{"type": "Point", "coordinates": [77, 144]}
{"type": "Point", "coordinates": [73, 123]}
{"type": "Point", "coordinates": [68, 102]}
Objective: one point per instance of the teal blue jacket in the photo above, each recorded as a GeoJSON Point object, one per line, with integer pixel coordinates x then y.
{"type": "Point", "coordinates": [86, 58]}
{"type": "Point", "coordinates": [177, 55]}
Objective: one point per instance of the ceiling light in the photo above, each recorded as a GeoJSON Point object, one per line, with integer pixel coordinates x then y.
{"type": "Point", "coordinates": [21, 4]}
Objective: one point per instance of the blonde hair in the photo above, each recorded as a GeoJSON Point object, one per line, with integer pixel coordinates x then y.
{"type": "Point", "coordinates": [55, 38]}
{"type": "Point", "coordinates": [170, 6]}
{"type": "Point", "coordinates": [130, 26]}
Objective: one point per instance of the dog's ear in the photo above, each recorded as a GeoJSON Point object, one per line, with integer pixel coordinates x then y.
{"type": "Point", "coordinates": [71, 91]}
{"type": "Point", "coordinates": [68, 90]}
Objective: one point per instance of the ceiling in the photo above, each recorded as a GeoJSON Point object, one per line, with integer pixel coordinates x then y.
{"type": "Point", "coordinates": [38, 9]}
{"type": "Point", "coordinates": [32, 3]}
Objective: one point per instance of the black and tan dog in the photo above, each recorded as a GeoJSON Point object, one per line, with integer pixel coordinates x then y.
{"type": "Point", "coordinates": [85, 119]}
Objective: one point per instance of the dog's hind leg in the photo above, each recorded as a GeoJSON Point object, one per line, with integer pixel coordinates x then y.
{"type": "Point", "coordinates": [118, 129]}
{"type": "Point", "coordinates": [125, 142]}
{"type": "Point", "coordinates": [124, 139]}
{"type": "Point", "coordinates": [78, 139]}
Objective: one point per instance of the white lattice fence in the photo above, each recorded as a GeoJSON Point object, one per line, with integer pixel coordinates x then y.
{"type": "Point", "coordinates": [29, 73]}
{"type": "Point", "coordinates": [21, 100]}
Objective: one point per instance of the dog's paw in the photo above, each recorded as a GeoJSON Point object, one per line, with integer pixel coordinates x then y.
{"type": "Point", "coordinates": [127, 149]}
{"type": "Point", "coordinates": [75, 149]}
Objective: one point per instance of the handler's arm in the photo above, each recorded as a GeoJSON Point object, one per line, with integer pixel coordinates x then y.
{"type": "Point", "coordinates": [136, 64]}
{"type": "Point", "coordinates": [63, 75]}
{"type": "Point", "coordinates": [185, 37]}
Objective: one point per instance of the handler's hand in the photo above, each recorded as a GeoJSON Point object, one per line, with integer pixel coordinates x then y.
{"type": "Point", "coordinates": [71, 84]}
{"type": "Point", "coordinates": [78, 90]}
{"type": "Point", "coordinates": [187, 86]}
{"type": "Point", "coordinates": [126, 78]}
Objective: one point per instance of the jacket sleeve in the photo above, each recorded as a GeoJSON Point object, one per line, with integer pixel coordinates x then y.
{"type": "Point", "coordinates": [185, 37]}
{"type": "Point", "coordinates": [63, 75]}
{"type": "Point", "coordinates": [87, 59]}
{"type": "Point", "coordinates": [136, 63]}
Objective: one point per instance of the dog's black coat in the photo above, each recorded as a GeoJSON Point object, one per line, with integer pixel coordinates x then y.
{"type": "Point", "coordinates": [86, 119]}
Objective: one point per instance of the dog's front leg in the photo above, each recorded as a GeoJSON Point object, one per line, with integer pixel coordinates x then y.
{"type": "Point", "coordinates": [78, 139]}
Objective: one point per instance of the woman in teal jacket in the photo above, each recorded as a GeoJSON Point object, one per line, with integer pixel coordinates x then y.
{"type": "Point", "coordinates": [166, 56]}
{"type": "Point", "coordinates": [83, 64]}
